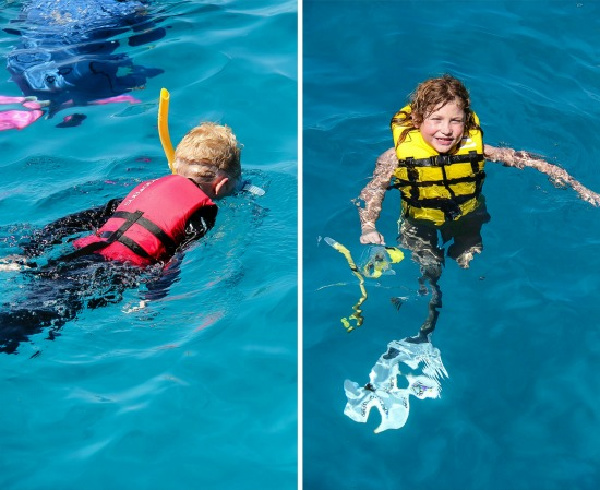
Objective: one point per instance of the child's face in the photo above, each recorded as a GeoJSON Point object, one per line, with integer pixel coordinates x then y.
{"type": "Point", "coordinates": [444, 127]}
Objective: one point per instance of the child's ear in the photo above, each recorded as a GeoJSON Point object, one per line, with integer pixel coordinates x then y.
{"type": "Point", "coordinates": [220, 185]}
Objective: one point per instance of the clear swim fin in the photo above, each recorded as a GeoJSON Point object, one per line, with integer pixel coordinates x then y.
{"type": "Point", "coordinates": [383, 393]}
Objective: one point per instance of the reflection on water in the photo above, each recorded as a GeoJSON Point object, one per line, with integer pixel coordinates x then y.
{"type": "Point", "coordinates": [64, 56]}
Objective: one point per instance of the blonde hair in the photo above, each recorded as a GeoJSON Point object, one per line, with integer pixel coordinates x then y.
{"type": "Point", "coordinates": [428, 96]}
{"type": "Point", "coordinates": [205, 150]}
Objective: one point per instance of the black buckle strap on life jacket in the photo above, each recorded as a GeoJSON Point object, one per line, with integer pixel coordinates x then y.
{"type": "Point", "coordinates": [438, 202]}
{"type": "Point", "coordinates": [117, 236]}
{"type": "Point", "coordinates": [133, 246]}
{"type": "Point", "coordinates": [450, 207]}
{"type": "Point", "coordinates": [110, 237]}
{"type": "Point", "coordinates": [88, 249]}
{"type": "Point", "coordinates": [413, 177]}
{"type": "Point", "coordinates": [400, 183]}
{"type": "Point", "coordinates": [446, 183]}
{"type": "Point", "coordinates": [129, 219]}
{"type": "Point", "coordinates": [474, 159]}
{"type": "Point", "coordinates": [441, 160]}
{"type": "Point", "coordinates": [138, 219]}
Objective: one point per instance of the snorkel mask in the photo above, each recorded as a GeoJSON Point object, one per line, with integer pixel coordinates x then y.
{"type": "Point", "coordinates": [379, 261]}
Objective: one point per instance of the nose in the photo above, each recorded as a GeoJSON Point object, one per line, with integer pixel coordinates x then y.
{"type": "Point", "coordinates": [446, 128]}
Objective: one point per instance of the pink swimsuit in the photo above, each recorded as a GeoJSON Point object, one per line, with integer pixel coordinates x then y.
{"type": "Point", "coordinates": [19, 119]}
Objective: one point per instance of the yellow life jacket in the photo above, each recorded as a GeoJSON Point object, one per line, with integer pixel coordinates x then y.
{"type": "Point", "coordinates": [436, 187]}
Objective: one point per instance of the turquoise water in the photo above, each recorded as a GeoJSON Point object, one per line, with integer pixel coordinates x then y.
{"type": "Point", "coordinates": [198, 390]}
{"type": "Point", "coordinates": [518, 330]}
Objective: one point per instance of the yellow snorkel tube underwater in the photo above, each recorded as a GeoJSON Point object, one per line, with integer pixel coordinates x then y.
{"type": "Point", "coordinates": [376, 266]}
{"type": "Point", "coordinates": [163, 127]}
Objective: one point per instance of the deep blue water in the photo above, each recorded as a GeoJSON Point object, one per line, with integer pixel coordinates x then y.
{"type": "Point", "coordinates": [199, 389]}
{"type": "Point", "coordinates": [518, 331]}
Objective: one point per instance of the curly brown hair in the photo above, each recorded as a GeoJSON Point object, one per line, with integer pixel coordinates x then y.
{"type": "Point", "coordinates": [431, 95]}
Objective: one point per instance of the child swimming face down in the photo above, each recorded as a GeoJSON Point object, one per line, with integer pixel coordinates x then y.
{"type": "Point", "coordinates": [210, 155]}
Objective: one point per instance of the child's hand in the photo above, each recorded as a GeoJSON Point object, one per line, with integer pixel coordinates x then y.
{"type": "Point", "coordinates": [372, 237]}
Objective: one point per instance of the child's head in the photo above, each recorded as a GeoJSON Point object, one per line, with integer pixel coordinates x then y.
{"type": "Point", "coordinates": [431, 96]}
{"type": "Point", "coordinates": [210, 155]}
{"type": "Point", "coordinates": [435, 93]}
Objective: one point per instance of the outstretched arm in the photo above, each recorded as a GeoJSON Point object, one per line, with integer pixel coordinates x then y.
{"type": "Point", "coordinates": [54, 232]}
{"type": "Point", "coordinates": [558, 176]}
{"type": "Point", "coordinates": [372, 197]}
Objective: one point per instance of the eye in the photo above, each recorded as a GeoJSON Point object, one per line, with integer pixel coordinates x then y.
{"type": "Point", "coordinates": [50, 79]}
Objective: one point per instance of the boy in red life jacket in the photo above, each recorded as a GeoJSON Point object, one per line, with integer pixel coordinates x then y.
{"type": "Point", "coordinates": [158, 216]}
{"type": "Point", "coordinates": [152, 222]}
{"type": "Point", "coordinates": [156, 220]}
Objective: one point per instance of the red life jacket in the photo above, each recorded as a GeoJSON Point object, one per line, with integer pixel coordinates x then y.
{"type": "Point", "coordinates": [150, 222]}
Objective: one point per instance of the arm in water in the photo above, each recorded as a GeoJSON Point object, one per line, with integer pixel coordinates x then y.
{"type": "Point", "coordinates": [54, 232]}
{"type": "Point", "coordinates": [372, 196]}
{"type": "Point", "coordinates": [558, 176]}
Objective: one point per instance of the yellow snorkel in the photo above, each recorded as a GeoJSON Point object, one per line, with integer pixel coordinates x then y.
{"type": "Point", "coordinates": [357, 315]}
{"type": "Point", "coordinates": [163, 127]}
{"type": "Point", "coordinates": [377, 266]}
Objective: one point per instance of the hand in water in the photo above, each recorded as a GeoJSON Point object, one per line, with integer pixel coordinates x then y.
{"type": "Point", "coordinates": [372, 237]}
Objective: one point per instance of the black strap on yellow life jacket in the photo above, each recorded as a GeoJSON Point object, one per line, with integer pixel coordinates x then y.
{"type": "Point", "coordinates": [442, 160]}
{"type": "Point", "coordinates": [450, 207]}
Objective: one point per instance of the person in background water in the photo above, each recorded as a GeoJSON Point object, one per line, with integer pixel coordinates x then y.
{"type": "Point", "coordinates": [134, 235]}
{"type": "Point", "coordinates": [66, 58]}
{"type": "Point", "coordinates": [437, 164]}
